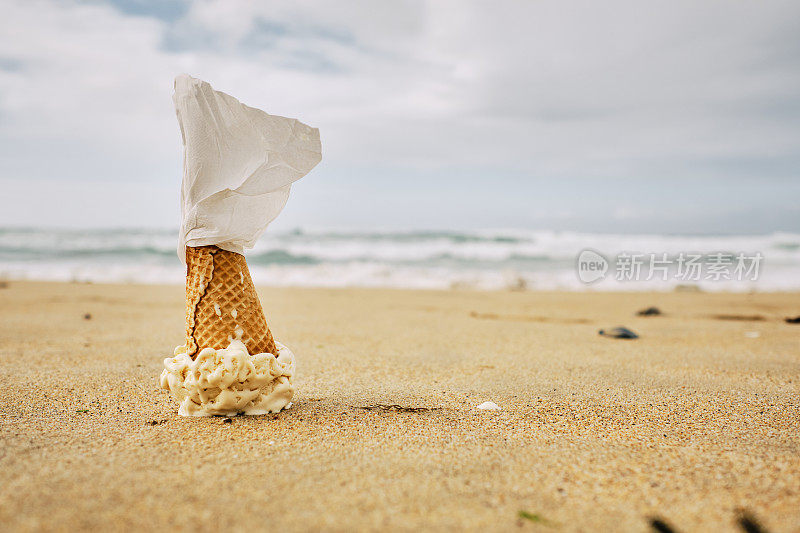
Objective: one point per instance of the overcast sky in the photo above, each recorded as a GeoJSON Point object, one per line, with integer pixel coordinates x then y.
{"type": "Point", "coordinates": [673, 116]}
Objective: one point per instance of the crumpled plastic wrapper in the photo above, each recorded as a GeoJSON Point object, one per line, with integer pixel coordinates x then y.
{"type": "Point", "coordinates": [238, 167]}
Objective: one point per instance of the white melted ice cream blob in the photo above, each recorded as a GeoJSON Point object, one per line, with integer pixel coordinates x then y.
{"type": "Point", "coordinates": [230, 381]}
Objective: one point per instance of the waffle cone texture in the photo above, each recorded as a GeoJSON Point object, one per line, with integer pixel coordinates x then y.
{"type": "Point", "coordinates": [222, 304]}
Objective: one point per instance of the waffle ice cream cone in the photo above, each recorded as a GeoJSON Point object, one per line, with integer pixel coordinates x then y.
{"type": "Point", "coordinates": [222, 304]}
{"type": "Point", "coordinates": [230, 364]}
{"type": "Point", "coordinates": [239, 164]}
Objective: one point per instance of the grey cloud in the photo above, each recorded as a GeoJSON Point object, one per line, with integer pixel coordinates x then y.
{"type": "Point", "coordinates": [558, 91]}
{"type": "Point", "coordinates": [11, 64]}
{"type": "Point", "coordinates": [167, 10]}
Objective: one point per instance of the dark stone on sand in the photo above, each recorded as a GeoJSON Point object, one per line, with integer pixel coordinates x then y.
{"type": "Point", "coordinates": [618, 333]}
{"type": "Point", "coordinates": [749, 523]}
{"type": "Point", "coordinates": [658, 524]}
{"type": "Point", "coordinates": [793, 320]}
{"type": "Point", "coordinates": [650, 311]}
{"type": "Point", "coordinates": [87, 316]}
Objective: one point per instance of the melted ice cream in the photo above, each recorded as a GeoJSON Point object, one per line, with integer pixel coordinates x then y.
{"type": "Point", "coordinates": [230, 381]}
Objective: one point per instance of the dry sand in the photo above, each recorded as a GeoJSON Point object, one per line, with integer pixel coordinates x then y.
{"type": "Point", "coordinates": [693, 422]}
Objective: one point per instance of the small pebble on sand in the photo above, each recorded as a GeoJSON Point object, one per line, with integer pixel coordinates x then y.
{"type": "Point", "coordinates": [618, 333]}
{"type": "Point", "coordinates": [488, 406]}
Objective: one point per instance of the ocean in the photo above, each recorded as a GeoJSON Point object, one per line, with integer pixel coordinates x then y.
{"type": "Point", "coordinates": [512, 259]}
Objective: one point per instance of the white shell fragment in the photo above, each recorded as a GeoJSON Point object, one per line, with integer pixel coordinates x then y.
{"type": "Point", "coordinates": [488, 406]}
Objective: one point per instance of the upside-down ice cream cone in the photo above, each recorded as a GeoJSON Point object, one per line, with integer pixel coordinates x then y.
{"type": "Point", "coordinates": [239, 164]}
{"type": "Point", "coordinates": [222, 304]}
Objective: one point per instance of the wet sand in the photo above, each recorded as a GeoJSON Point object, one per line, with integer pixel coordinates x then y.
{"type": "Point", "coordinates": [695, 423]}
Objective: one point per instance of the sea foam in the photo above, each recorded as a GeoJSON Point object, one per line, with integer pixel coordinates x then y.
{"type": "Point", "coordinates": [484, 259]}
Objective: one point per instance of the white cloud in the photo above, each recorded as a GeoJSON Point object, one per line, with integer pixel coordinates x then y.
{"type": "Point", "coordinates": [543, 89]}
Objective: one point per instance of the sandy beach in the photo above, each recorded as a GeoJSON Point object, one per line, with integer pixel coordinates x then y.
{"type": "Point", "coordinates": [695, 423]}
